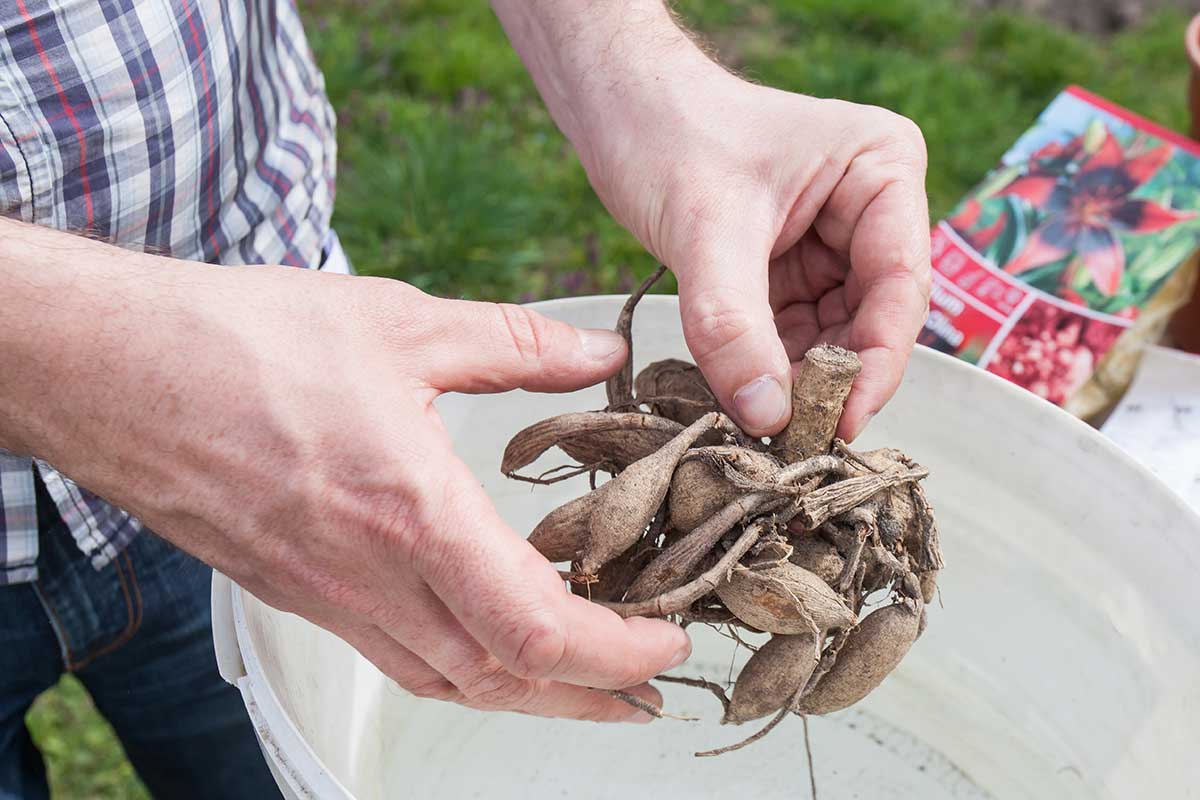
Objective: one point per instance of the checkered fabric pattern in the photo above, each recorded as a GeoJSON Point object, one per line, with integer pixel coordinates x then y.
{"type": "Point", "coordinates": [194, 128]}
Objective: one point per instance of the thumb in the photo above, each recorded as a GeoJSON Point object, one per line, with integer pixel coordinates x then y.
{"type": "Point", "coordinates": [493, 347]}
{"type": "Point", "coordinates": [730, 329]}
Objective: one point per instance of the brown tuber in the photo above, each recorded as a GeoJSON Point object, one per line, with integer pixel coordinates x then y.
{"type": "Point", "coordinates": [772, 676]}
{"type": "Point", "coordinates": [784, 598]}
{"type": "Point", "coordinates": [702, 484]}
{"type": "Point", "coordinates": [675, 390]}
{"type": "Point", "coordinates": [818, 557]}
{"type": "Point", "coordinates": [598, 527]}
{"type": "Point", "coordinates": [703, 524]}
{"type": "Point", "coordinates": [590, 437]}
{"type": "Point", "coordinates": [563, 533]}
{"type": "Point", "coordinates": [819, 390]}
{"type": "Point", "coordinates": [631, 498]}
{"type": "Point", "coordinates": [871, 652]}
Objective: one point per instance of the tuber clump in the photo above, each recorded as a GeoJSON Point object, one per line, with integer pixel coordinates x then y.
{"type": "Point", "coordinates": [701, 523]}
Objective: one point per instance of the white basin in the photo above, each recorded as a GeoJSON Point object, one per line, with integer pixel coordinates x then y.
{"type": "Point", "coordinates": [1065, 662]}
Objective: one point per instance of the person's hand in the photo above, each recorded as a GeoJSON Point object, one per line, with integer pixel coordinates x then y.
{"type": "Point", "coordinates": [789, 221]}
{"type": "Point", "coordinates": [278, 424]}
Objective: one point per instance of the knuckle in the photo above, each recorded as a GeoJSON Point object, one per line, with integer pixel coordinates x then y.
{"type": "Point", "coordinates": [910, 140]}
{"type": "Point", "coordinates": [525, 331]}
{"type": "Point", "coordinates": [695, 211]}
{"type": "Point", "coordinates": [406, 527]}
{"type": "Point", "coordinates": [409, 524]}
{"type": "Point", "coordinates": [332, 591]}
{"type": "Point", "coordinates": [395, 290]}
{"type": "Point", "coordinates": [535, 648]}
{"type": "Point", "coordinates": [924, 278]}
{"type": "Point", "coordinates": [496, 688]}
{"type": "Point", "coordinates": [433, 689]}
{"type": "Point", "coordinates": [379, 301]}
{"type": "Point", "coordinates": [899, 136]}
{"type": "Point", "coordinates": [711, 323]}
{"type": "Point", "coordinates": [905, 270]}
{"type": "Point", "coordinates": [418, 534]}
{"type": "Point", "coordinates": [909, 132]}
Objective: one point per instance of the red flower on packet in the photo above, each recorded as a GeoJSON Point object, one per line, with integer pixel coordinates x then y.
{"type": "Point", "coordinates": [1041, 272]}
{"type": "Point", "coordinates": [1046, 166]}
{"type": "Point", "coordinates": [1087, 209]}
{"type": "Point", "coordinates": [969, 217]}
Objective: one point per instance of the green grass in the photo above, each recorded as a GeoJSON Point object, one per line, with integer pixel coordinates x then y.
{"type": "Point", "coordinates": [453, 176]}
{"type": "Point", "coordinates": [84, 759]}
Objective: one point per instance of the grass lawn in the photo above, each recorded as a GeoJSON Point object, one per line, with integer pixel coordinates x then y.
{"type": "Point", "coordinates": [454, 178]}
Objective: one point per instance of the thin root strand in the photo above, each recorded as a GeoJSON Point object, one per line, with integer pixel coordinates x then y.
{"type": "Point", "coordinates": [754, 737]}
{"type": "Point", "coordinates": [645, 705]}
{"type": "Point", "coordinates": [699, 683]}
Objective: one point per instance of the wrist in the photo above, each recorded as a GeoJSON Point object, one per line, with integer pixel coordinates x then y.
{"type": "Point", "coordinates": [72, 307]}
{"type": "Point", "coordinates": [612, 74]}
{"type": "Point", "coordinates": [632, 131]}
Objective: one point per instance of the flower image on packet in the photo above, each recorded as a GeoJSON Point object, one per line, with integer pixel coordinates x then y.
{"type": "Point", "coordinates": [1071, 254]}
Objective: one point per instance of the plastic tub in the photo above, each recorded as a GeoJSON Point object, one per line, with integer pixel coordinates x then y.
{"type": "Point", "coordinates": [1065, 662]}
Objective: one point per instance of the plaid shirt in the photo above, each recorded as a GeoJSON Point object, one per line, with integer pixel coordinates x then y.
{"type": "Point", "coordinates": [196, 128]}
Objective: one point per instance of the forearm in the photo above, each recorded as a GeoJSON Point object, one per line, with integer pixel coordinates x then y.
{"type": "Point", "coordinates": [72, 319]}
{"type": "Point", "coordinates": [601, 65]}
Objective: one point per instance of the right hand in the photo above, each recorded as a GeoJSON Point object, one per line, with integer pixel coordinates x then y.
{"type": "Point", "coordinates": [789, 220]}
{"type": "Point", "coordinates": [279, 424]}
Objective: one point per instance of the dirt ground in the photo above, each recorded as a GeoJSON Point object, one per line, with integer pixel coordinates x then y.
{"type": "Point", "coordinates": [1093, 16]}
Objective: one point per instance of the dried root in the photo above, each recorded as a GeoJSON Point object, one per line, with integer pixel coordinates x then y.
{"type": "Point", "coordinates": [590, 437]}
{"type": "Point", "coordinates": [645, 705]}
{"type": "Point", "coordinates": [620, 386]}
{"type": "Point", "coordinates": [772, 676]}
{"type": "Point", "coordinates": [672, 567]}
{"type": "Point", "coordinates": [786, 599]}
{"type": "Point", "coordinates": [700, 523]}
{"type": "Point", "coordinates": [675, 390]}
{"type": "Point", "coordinates": [711, 478]}
{"type": "Point", "coordinates": [870, 653]}
{"type": "Point", "coordinates": [819, 390]}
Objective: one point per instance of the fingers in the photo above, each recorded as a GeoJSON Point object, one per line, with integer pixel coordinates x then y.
{"type": "Point", "coordinates": [806, 272]}
{"type": "Point", "coordinates": [494, 347]}
{"type": "Point", "coordinates": [512, 601]}
{"type": "Point", "coordinates": [399, 663]}
{"type": "Point", "coordinates": [889, 253]}
{"type": "Point", "coordinates": [456, 669]}
{"type": "Point", "coordinates": [544, 698]}
{"type": "Point", "coordinates": [730, 330]}
{"type": "Point", "coordinates": [878, 216]}
{"type": "Point", "coordinates": [801, 281]}
{"type": "Point", "coordinates": [799, 329]}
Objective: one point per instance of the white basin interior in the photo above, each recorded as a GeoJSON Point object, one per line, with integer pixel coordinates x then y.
{"type": "Point", "coordinates": [1064, 662]}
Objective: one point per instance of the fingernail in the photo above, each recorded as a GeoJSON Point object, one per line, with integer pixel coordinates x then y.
{"type": "Point", "coordinates": [681, 655]}
{"type": "Point", "coordinates": [599, 344]}
{"type": "Point", "coordinates": [760, 404]}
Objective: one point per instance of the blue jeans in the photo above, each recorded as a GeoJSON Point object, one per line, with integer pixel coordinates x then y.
{"type": "Point", "coordinates": [138, 635]}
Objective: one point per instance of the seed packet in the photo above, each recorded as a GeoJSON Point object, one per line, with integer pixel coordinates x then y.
{"type": "Point", "coordinates": [1071, 254]}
